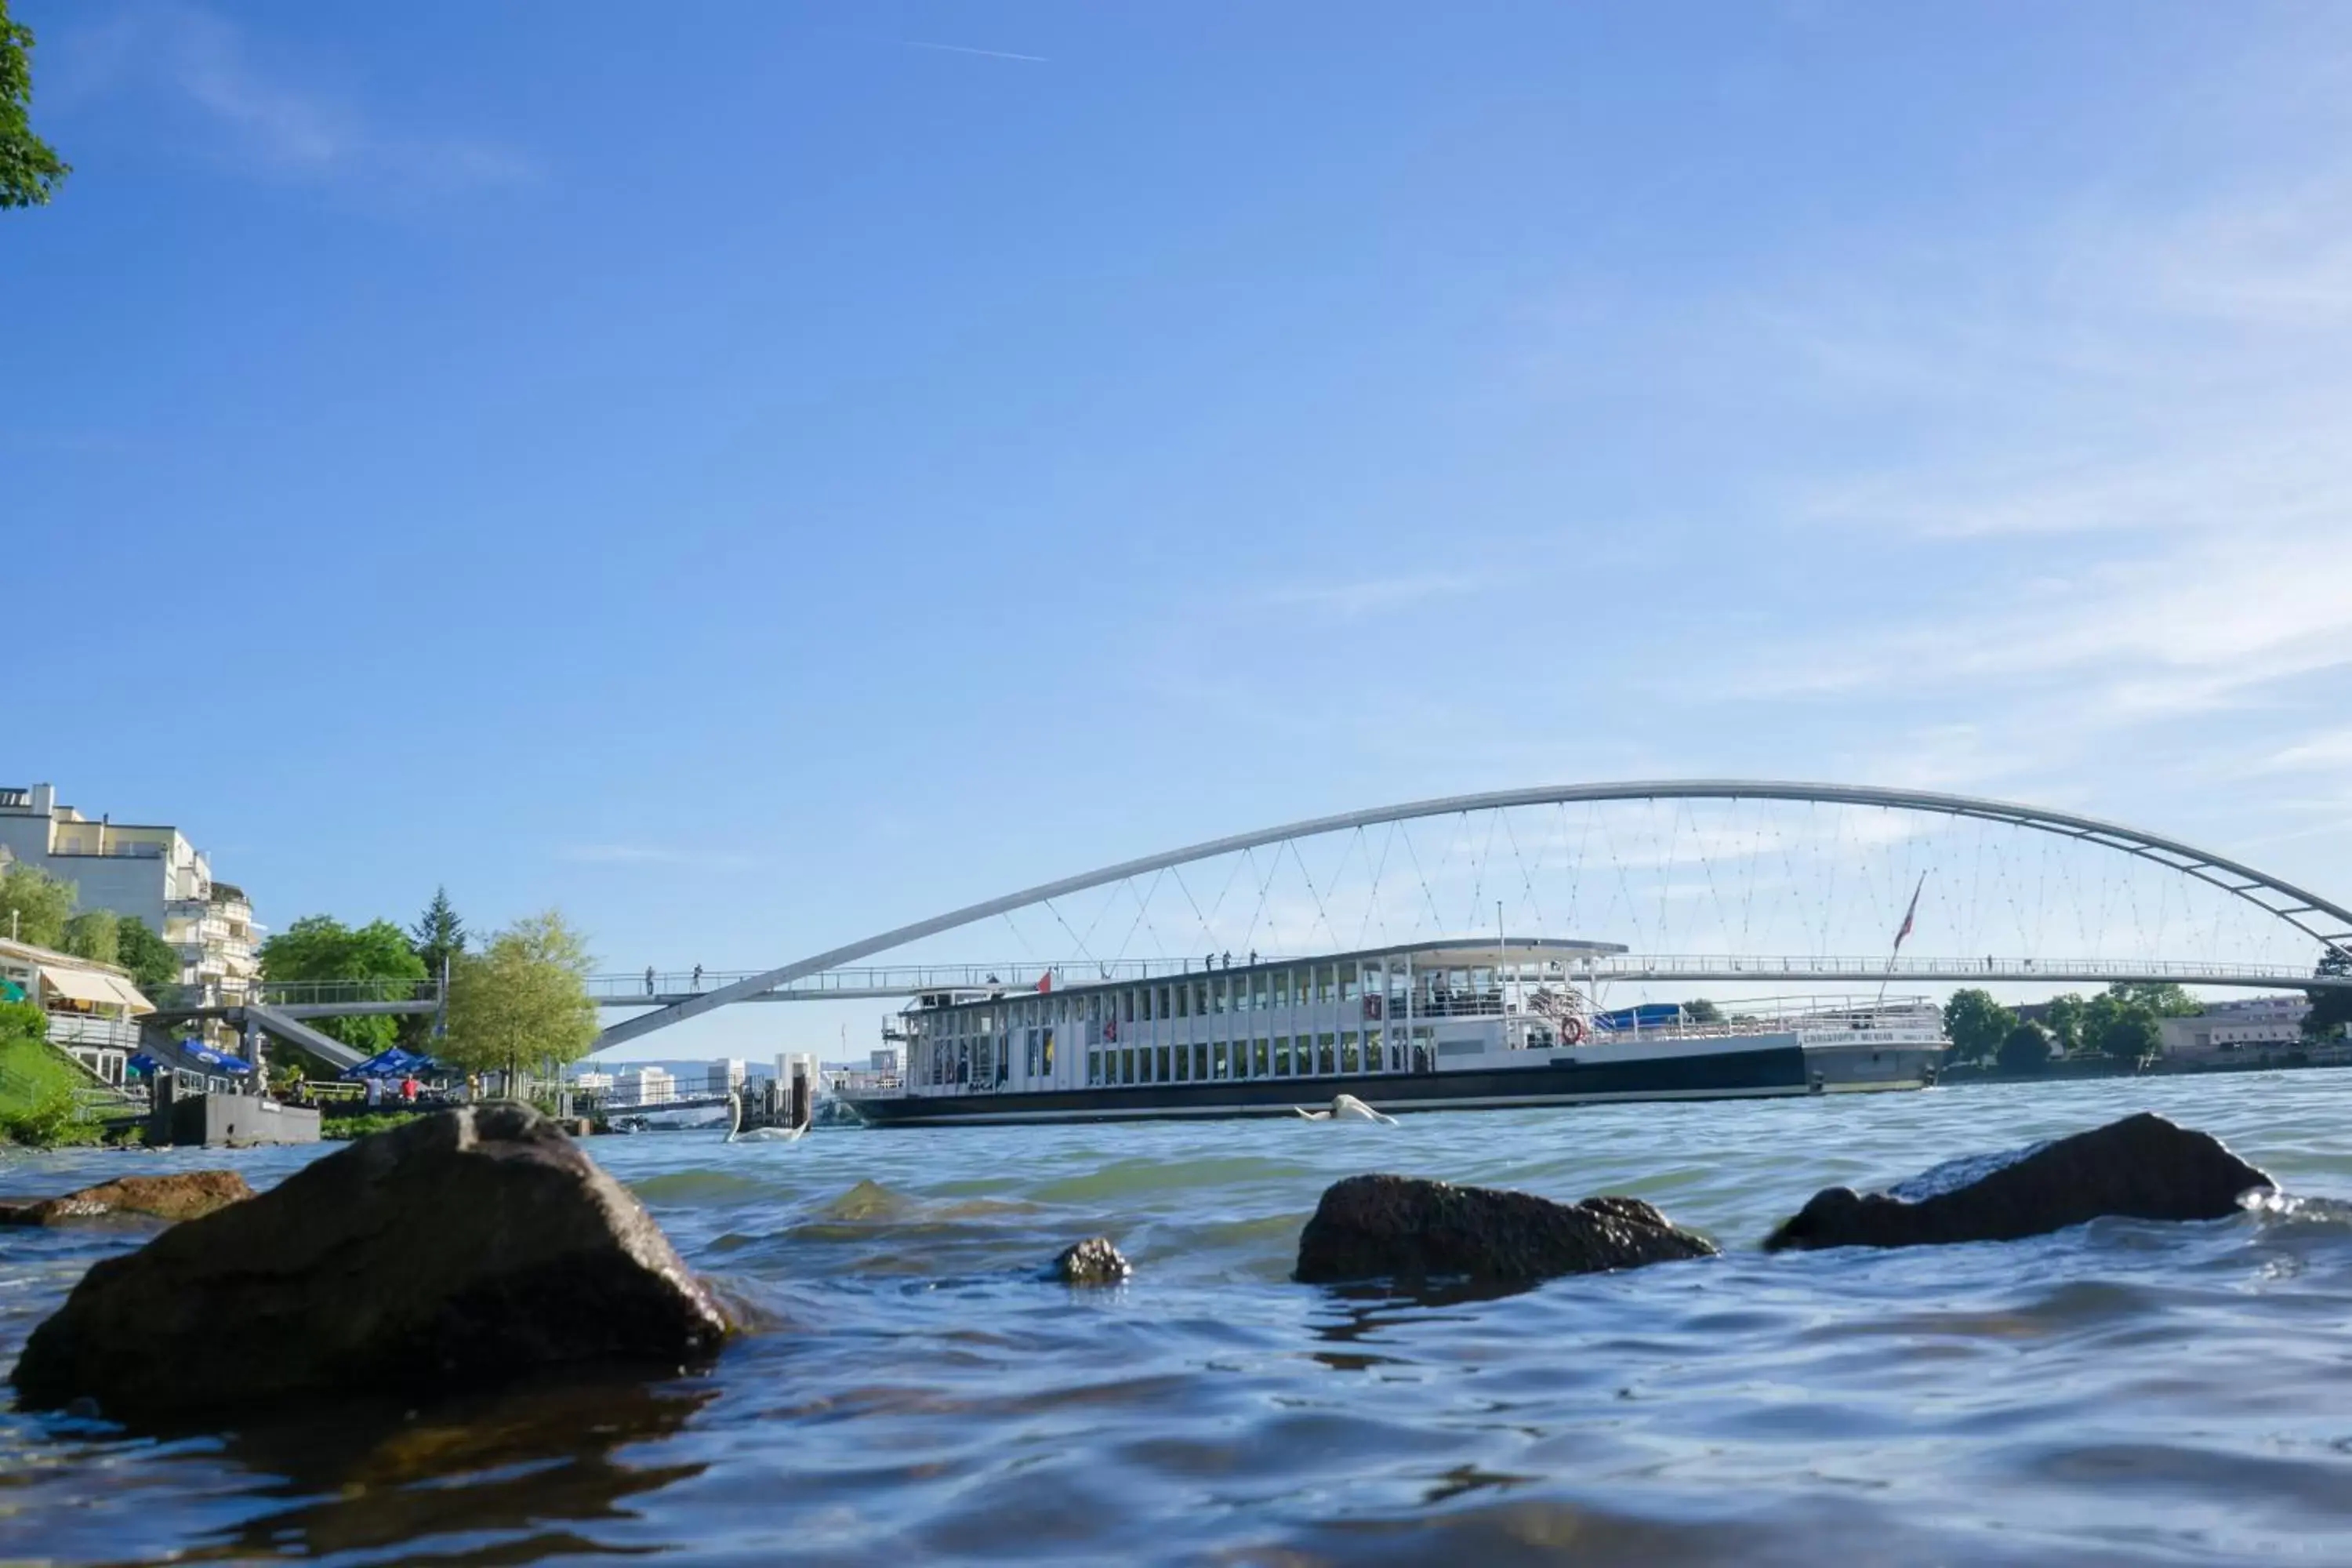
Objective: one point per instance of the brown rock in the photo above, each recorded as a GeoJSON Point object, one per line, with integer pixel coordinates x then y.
{"type": "Point", "coordinates": [457, 1249]}
{"type": "Point", "coordinates": [1413, 1230]}
{"type": "Point", "coordinates": [1094, 1261]}
{"type": "Point", "coordinates": [186, 1194]}
{"type": "Point", "coordinates": [2143, 1167]}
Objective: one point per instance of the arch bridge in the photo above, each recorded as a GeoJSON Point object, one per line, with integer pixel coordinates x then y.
{"type": "Point", "coordinates": [829, 975]}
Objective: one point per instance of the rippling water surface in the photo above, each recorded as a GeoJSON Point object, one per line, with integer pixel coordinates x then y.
{"type": "Point", "coordinates": [2126, 1392]}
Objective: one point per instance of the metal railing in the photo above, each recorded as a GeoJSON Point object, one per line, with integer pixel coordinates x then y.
{"type": "Point", "coordinates": [86, 1030]}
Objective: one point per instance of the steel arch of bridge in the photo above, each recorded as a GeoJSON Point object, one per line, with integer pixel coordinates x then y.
{"type": "Point", "coordinates": [2327, 923]}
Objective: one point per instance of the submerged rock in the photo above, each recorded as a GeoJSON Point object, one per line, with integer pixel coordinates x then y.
{"type": "Point", "coordinates": [182, 1195]}
{"type": "Point", "coordinates": [1094, 1261]}
{"type": "Point", "coordinates": [458, 1248]}
{"type": "Point", "coordinates": [2142, 1167]}
{"type": "Point", "coordinates": [1406, 1228]}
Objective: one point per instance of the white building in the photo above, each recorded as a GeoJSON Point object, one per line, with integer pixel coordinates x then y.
{"type": "Point", "coordinates": [592, 1083]}
{"type": "Point", "coordinates": [644, 1086]}
{"type": "Point", "coordinates": [2247, 1030]}
{"type": "Point", "coordinates": [727, 1075]}
{"type": "Point", "coordinates": [146, 870]}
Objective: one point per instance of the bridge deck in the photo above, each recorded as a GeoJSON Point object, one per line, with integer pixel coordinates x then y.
{"type": "Point", "coordinates": [1012, 979]}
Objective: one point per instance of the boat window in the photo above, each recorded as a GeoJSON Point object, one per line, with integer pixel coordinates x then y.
{"type": "Point", "coordinates": [1373, 1061]}
{"type": "Point", "coordinates": [1327, 1053]}
{"type": "Point", "coordinates": [1282, 988]}
{"type": "Point", "coordinates": [1241, 1058]}
{"type": "Point", "coordinates": [1184, 1065]}
{"type": "Point", "coordinates": [1143, 1065]}
{"type": "Point", "coordinates": [1127, 997]}
{"type": "Point", "coordinates": [1163, 1064]}
{"type": "Point", "coordinates": [1218, 1066]}
{"type": "Point", "coordinates": [1349, 1059]}
{"type": "Point", "coordinates": [1282, 1056]}
{"type": "Point", "coordinates": [1199, 998]}
{"type": "Point", "coordinates": [1048, 1058]}
{"type": "Point", "coordinates": [1200, 1059]}
{"type": "Point", "coordinates": [1263, 1055]}
{"type": "Point", "coordinates": [1164, 1002]}
{"type": "Point", "coordinates": [1257, 990]}
{"type": "Point", "coordinates": [1184, 1001]}
{"type": "Point", "coordinates": [1219, 995]}
{"type": "Point", "coordinates": [1347, 983]}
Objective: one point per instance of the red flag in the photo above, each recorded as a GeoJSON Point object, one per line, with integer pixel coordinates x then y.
{"type": "Point", "coordinates": [1911, 914]}
{"type": "Point", "coordinates": [1044, 983]}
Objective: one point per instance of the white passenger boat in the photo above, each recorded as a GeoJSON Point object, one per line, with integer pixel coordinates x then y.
{"type": "Point", "coordinates": [1452, 1024]}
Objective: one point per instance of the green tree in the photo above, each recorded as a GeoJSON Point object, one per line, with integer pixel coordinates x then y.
{"type": "Point", "coordinates": [438, 936]}
{"type": "Point", "coordinates": [153, 963]}
{"type": "Point", "coordinates": [2331, 1008]}
{"type": "Point", "coordinates": [94, 934]}
{"type": "Point", "coordinates": [2025, 1049]}
{"type": "Point", "coordinates": [522, 1001]}
{"type": "Point", "coordinates": [2161, 998]}
{"type": "Point", "coordinates": [2118, 1024]}
{"type": "Point", "coordinates": [35, 906]}
{"type": "Point", "coordinates": [29, 167]}
{"type": "Point", "coordinates": [1976, 1025]}
{"type": "Point", "coordinates": [320, 947]}
{"type": "Point", "coordinates": [2064, 1020]}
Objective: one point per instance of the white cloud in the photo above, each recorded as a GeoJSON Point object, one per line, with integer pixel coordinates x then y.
{"type": "Point", "coordinates": [259, 116]}
{"type": "Point", "coordinates": [1348, 600]}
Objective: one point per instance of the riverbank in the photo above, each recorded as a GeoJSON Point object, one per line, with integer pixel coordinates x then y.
{"type": "Point", "coordinates": [2085, 1069]}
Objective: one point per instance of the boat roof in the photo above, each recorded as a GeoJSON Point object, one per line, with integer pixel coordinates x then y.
{"type": "Point", "coordinates": [1441, 953]}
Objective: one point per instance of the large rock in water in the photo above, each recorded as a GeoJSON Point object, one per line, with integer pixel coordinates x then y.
{"type": "Point", "coordinates": [1094, 1261]}
{"type": "Point", "coordinates": [184, 1194]}
{"type": "Point", "coordinates": [2143, 1167]}
{"type": "Point", "coordinates": [1413, 1230]}
{"type": "Point", "coordinates": [459, 1249]}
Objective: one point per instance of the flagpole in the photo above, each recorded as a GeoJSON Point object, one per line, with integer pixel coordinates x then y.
{"type": "Point", "coordinates": [1908, 915]}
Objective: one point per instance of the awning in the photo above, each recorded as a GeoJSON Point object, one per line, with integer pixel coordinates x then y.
{"type": "Point", "coordinates": [81, 985]}
{"type": "Point", "coordinates": [128, 993]}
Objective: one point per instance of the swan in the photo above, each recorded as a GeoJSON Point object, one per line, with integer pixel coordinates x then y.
{"type": "Point", "coordinates": [1347, 1108]}
{"type": "Point", "coordinates": [735, 1133]}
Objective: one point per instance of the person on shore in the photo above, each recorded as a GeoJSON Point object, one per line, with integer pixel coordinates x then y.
{"type": "Point", "coordinates": [408, 1089]}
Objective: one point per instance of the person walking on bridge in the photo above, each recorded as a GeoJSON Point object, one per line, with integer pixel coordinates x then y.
{"type": "Point", "coordinates": [697, 977]}
{"type": "Point", "coordinates": [649, 979]}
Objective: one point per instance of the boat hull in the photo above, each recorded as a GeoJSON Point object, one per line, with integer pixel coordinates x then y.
{"type": "Point", "coordinates": [1780, 1067]}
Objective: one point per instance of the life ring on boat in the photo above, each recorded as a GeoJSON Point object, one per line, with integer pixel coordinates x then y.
{"type": "Point", "coordinates": [1571, 1030]}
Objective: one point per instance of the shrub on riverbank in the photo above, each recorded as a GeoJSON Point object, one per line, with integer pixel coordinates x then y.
{"type": "Point", "coordinates": [38, 1083]}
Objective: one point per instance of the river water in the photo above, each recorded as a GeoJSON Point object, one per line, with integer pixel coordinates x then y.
{"type": "Point", "coordinates": [2123, 1392]}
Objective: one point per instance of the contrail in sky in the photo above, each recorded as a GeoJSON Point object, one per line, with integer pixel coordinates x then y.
{"type": "Point", "coordinates": [966, 49]}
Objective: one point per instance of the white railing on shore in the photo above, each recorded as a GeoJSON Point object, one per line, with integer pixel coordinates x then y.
{"type": "Point", "coordinates": [85, 1030]}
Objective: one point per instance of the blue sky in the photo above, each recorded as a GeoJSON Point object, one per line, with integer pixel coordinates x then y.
{"type": "Point", "coordinates": [752, 473]}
